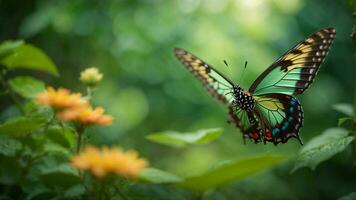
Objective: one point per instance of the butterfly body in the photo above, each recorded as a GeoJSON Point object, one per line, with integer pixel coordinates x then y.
{"type": "Point", "coordinates": [268, 111]}
{"type": "Point", "coordinates": [243, 100]}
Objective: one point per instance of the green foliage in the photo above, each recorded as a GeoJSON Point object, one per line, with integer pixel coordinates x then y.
{"type": "Point", "coordinates": [9, 47]}
{"type": "Point", "coordinates": [26, 86]}
{"type": "Point", "coordinates": [157, 176]}
{"type": "Point", "coordinates": [344, 108]}
{"type": "Point", "coordinates": [9, 146]}
{"type": "Point", "coordinates": [17, 55]}
{"type": "Point", "coordinates": [176, 139]}
{"type": "Point", "coordinates": [63, 175]}
{"type": "Point", "coordinates": [323, 147]}
{"type": "Point", "coordinates": [231, 171]}
{"type": "Point", "coordinates": [351, 196]}
{"type": "Point", "coordinates": [22, 126]}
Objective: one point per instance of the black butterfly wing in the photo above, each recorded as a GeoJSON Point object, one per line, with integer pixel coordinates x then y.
{"type": "Point", "coordinates": [292, 73]}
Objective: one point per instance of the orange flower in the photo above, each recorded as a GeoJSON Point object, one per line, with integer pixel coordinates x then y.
{"type": "Point", "coordinates": [86, 115]}
{"type": "Point", "coordinates": [60, 99]}
{"type": "Point", "coordinates": [109, 160]}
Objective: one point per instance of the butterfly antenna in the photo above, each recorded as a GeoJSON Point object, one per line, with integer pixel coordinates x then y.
{"type": "Point", "coordinates": [225, 62]}
{"type": "Point", "coordinates": [243, 72]}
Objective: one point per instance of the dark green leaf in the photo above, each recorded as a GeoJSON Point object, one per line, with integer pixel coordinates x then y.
{"type": "Point", "coordinates": [9, 47]}
{"type": "Point", "coordinates": [351, 196]}
{"type": "Point", "coordinates": [75, 191]}
{"type": "Point", "coordinates": [229, 172]}
{"type": "Point", "coordinates": [176, 139]}
{"type": "Point", "coordinates": [9, 146]}
{"type": "Point", "coordinates": [21, 126]}
{"type": "Point", "coordinates": [323, 147]}
{"type": "Point", "coordinates": [157, 176]}
{"type": "Point", "coordinates": [29, 57]}
{"type": "Point", "coordinates": [343, 120]}
{"type": "Point", "coordinates": [10, 170]}
{"type": "Point", "coordinates": [27, 86]}
{"type": "Point", "coordinates": [62, 175]}
{"type": "Point", "coordinates": [344, 108]}
{"type": "Point", "coordinates": [63, 136]}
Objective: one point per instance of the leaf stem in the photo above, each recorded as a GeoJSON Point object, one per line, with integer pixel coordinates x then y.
{"type": "Point", "coordinates": [10, 93]}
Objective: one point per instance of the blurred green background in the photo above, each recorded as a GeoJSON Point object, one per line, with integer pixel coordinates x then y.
{"type": "Point", "coordinates": [147, 90]}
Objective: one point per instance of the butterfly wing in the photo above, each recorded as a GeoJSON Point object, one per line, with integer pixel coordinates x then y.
{"type": "Point", "coordinates": [292, 73]}
{"type": "Point", "coordinates": [280, 117]}
{"type": "Point", "coordinates": [247, 122]}
{"type": "Point", "coordinates": [217, 85]}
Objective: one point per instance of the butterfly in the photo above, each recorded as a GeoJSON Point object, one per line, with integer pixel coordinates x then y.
{"type": "Point", "coordinates": [268, 111]}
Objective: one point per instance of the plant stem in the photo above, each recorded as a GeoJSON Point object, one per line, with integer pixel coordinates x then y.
{"type": "Point", "coordinates": [80, 131]}
{"type": "Point", "coordinates": [354, 127]}
{"type": "Point", "coordinates": [10, 93]}
{"type": "Point", "coordinates": [118, 191]}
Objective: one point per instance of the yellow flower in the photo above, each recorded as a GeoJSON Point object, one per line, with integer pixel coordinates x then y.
{"type": "Point", "coordinates": [90, 76]}
{"type": "Point", "coordinates": [60, 99]}
{"type": "Point", "coordinates": [86, 115]}
{"type": "Point", "coordinates": [109, 160]}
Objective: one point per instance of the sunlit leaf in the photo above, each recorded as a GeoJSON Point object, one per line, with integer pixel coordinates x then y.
{"type": "Point", "coordinates": [27, 86]}
{"type": "Point", "coordinates": [9, 47]}
{"type": "Point", "coordinates": [157, 176]}
{"type": "Point", "coordinates": [29, 57]}
{"type": "Point", "coordinates": [323, 147]}
{"type": "Point", "coordinates": [172, 138]}
{"type": "Point", "coordinates": [230, 171]}
{"type": "Point", "coordinates": [9, 146]}
{"type": "Point", "coordinates": [344, 108]}
{"type": "Point", "coordinates": [21, 126]}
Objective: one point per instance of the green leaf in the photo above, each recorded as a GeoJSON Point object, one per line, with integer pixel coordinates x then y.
{"type": "Point", "coordinates": [63, 136]}
{"type": "Point", "coordinates": [21, 126]}
{"type": "Point", "coordinates": [10, 170]}
{"type": "Point", "coordinates": [343, 120]}
{"type": "Point", "coordinates": [323, 147]}
{"type": "Point", "coordinates": [75, 191]}
{"type": "Point", "coordinates": [172, 138]}
{"type": "Point", "coordinates": [157, 176]}
{"type": "Point", "coordinates": [27, 56]}
{"type": "Point", "coordinates": [53, 148]}
{"type": "Point", "coordinates": [351, 196]}
{"type": "Point", "coordinates": [27, 86]}
{"type": "Point", "coordinates": [344, 108]}
{"type": "Point", "coordinates": [229, 172]}
{"type": "Point", "coordinates": [62, 175]}
{"type": "Point", "coordinates": [9, 47]}
{"type": "Point", "coordinates": [9, 146]}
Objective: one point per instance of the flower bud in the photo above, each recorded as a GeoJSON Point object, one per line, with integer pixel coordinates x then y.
{"type": "Point", "coordinates": [90, 76]}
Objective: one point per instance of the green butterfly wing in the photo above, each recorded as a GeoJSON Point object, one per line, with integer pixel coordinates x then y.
{"type": "Point", "coordinates": [292, 73]}
{"type": "Point", "coordinates": [280, 117]}
{"type": "Point", "coordinates": [217, 85]}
